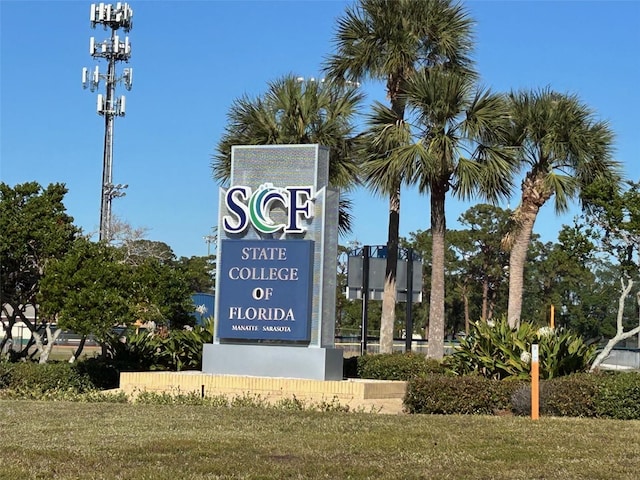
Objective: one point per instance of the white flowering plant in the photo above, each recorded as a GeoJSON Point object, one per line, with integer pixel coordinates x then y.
{"type": "Point", "coordinates": [499, 351]}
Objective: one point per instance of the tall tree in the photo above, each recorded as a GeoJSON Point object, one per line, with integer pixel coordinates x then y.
{"type": "Point", "coordinates": [297, 112]}
{"type": "Point", "coordinates": [389, 40]}
{"type": "Point", "coordinates": [162, 294]}
{"type": "Point", "coordinates": [422, 243]}
{"type": "Point", "coordinates": [578, 282]}
{"type": "Point", "coordinates": [616, 214]}
{"type": "Point", "coordinates": [461, 130]}
{"type": "Point", "coordinates": [563, 148]}
{"type": "Point", "coordinates": [482, 261]}
{"type": "Point", "coordinates": [200, 272]}
{"type": "Point", "coordinates": [95, 287]}
{"type": "Point", "coordinates": [34, 228]}
{"type": "Point", "coordinates": [88, 291]}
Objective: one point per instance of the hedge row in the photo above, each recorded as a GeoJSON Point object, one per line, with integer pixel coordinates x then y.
{"type": "Point", "coordinates": [429, 389]}
{"type": "Point", "coordinates": [444, 394]}
{"type": "Point", "coordinates": [604, 395]}
{"type": "Point", "coordinates": [34, 379]}
{"type": "Point", "coordinates": [391, 366]}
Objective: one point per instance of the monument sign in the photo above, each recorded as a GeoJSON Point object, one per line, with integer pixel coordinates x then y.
{"type": "Point", "coordinates": [276, 271]}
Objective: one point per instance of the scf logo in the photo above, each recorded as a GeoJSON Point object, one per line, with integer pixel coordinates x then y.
{"type": "Point", "coordinates": [247, 207]}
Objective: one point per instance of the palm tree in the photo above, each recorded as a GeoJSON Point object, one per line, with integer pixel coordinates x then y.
{"type": "Point", "coordinates": [563, 149]}
{"type": "Point", "coordinates": [460, 149]}
{"type": "Point", "coordinates": [295, 111]}
{"type": "Point", "coordinates": [389, 40]}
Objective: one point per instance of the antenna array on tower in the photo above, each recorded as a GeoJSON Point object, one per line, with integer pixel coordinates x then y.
{"type": "Point", "coordinates": [114, 49]}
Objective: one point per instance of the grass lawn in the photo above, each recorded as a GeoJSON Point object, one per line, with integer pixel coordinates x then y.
{"type": "Point", "coordinates": [63, 440]}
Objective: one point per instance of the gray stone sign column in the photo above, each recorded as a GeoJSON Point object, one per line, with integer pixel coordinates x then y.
{"type": "Point", "coordinates": [276, 270]}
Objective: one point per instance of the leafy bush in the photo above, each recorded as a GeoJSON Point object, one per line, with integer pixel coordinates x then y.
{"type": "Point", "coordinates": [618, 395]}
{"type": "Point", "coordinates": [245, 400]}
{"type": "Point", "coordinates": [607, 395]}
{"type": "Point", "coordinates": [495, 350]}
{"type": "Point", "coordinates": [397, 366]}
{"type": "Point", "coordinates": [34, 380]}
{"type": "Point", "coordinates": [563, 353]}
{"type": "Point", "coordinates": [59, 395]}
{"type": "Point", "coordinates": [5, 373]}
{"type": "Point", "coordinates": [96, 396]}
{"type": "Point", "coordinates": [57, 380]}
{"type": "Point", "coordinates": [165, 398]}
{"type": "Point", "coordinates": [102, 373]}
{"type": "Point", "coordinates": [182, 349]}
{"type": "Point", "coordinates": [472, 394]}
{"type": "Point", "coordinates": [568, 396]}
{"type": "Point", "coordinates": [133, 351]}
{"type": "Point", "coordinates": [176, 350]}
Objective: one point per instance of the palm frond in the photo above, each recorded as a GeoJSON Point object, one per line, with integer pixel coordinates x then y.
{"type": "Point", "coordinates": [345, 219]}
{"type": "Point", "coordinates": [294, 112]}
{"type": "Point", "coordinates": [563, 187]}
{"type": "Point", "coordinates": [558, 134]}
{"type": "Point", "coordinates": [467, 174]}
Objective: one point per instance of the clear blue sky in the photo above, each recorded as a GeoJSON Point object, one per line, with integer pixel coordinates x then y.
{"type": "Point", "coordinates": [191, 59]}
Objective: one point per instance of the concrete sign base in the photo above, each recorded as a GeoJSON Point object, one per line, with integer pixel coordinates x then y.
{"type": "Point", "coordinates": [273, 361]}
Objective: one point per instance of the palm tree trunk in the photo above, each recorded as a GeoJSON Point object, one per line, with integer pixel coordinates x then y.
{"type": "Point", "coordinates": [389, 296]}
{"type": "Point", "coordinates": [526, 217]}
{"type": "Point", "coordinates": [387, 320]}
{"type": "Point", "coordinates": [436, 306]}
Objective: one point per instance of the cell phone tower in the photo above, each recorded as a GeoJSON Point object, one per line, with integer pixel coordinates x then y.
{"type": "Point", "coordinates": [113, 50]}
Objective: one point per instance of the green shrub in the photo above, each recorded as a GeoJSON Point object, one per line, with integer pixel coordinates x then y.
{"type": "Point", "coordinates": [5, 373]}
{"type": "Point", "coordinates": [69, 395]}
{"type": "Point", "coordinates": [133, 351]}
{"type": "Point", "coordinates": [495, 350]}
{"type": "Point", "coordinates": [182, 349]}
{"type": "Point", "coordinates": [102, 373]}
{"type": "Point", "coordinates": [618, 395]}
{"type": "Point", "coordinates": [290, 404]}
{"type": "Point", "coordinates": [608, 395]}
{"type": "Point", "coordinates": [164, 398]}
{"type": "Point", "coordinates": [179, 349]}
{"type": "Point", "coordinates": [397, 366]}
{"type": "Point", "coordinates": [330, 406]}
{"type": "Point", "coordinates": [36, 379]}
{"type": "Point", "coordinates": [96, 396]}
{"type": "Point", "coordinates": [472, 394]}
{"type": "Point", "coordinates": [563, 353]}
{"type": "Point", "coordinates": [570, 396]}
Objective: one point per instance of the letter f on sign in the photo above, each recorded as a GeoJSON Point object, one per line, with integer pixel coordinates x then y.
{"type": "Point", "coordinates": [300, 202]}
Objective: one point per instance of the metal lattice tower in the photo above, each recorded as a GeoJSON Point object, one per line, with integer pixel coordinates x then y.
{"type": "Point", "coordinates": [113, 50]}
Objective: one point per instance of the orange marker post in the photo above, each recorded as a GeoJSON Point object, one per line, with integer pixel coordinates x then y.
{"type": "Point", "coordinates": [553, 315]}
{"type": "Point", "coordinates": [535, 386]}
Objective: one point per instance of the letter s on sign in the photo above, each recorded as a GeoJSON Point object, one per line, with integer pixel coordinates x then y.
{"type": "Point", "coordinates": [235, 201]}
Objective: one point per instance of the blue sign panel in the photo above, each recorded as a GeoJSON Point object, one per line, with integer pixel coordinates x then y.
{"type": "Point", "coordinates": [265, 290]}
